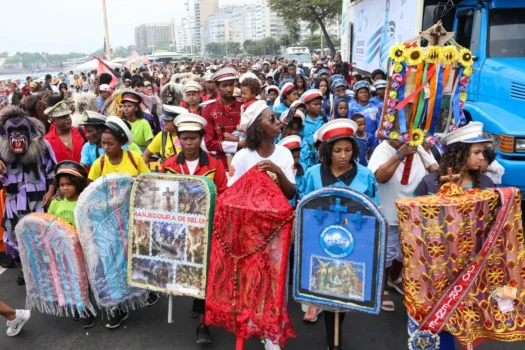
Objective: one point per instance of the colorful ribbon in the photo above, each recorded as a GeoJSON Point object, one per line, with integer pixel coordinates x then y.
{"type": "Point", "coordinates": [419, 77]}
{"type": "Point", "coordinates": [455, 100]}
{"type": "Point", "coordinates": [420, 107]}
{"type": "Point", "coordinates": [401, 96]}
{"type": "Point", "coordinates": [437, 105]}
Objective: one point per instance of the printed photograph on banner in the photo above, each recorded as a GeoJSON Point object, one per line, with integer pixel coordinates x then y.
{"type": "Point", "coordinates": [189, 277]}
{"type": "Point", "coordinates": [156, 195]}
{"type": "Point", "coordinates": [344, 279]}
{"type": "Point", "coordinates": [195, 243]}
{"type": "Point", "coordinates": [192, 198]}
{"type": "Point", "coordinates": [151, 272]}
{"type": "Point", "coordinates": [168, 240]}
{"type": "Point", "coordinates": [141, 237]}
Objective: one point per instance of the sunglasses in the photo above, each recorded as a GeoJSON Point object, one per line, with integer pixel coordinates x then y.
{"type": "Point", "coordinates": [272, 119]}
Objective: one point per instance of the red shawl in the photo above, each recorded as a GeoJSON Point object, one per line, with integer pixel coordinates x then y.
{"type": "Point", "coordinates": [250, 243]}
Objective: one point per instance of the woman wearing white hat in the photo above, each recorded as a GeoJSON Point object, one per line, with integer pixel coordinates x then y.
{"type": "Point", "coordinates": [338, 153]}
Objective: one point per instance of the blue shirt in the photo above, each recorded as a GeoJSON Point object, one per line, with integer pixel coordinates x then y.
{"type": "Point", "coordinates": [280, 108]}
{"type": "Point", "coordinates": [309, 155]}
{"type": "Point", "coordinates": [371, 114]}
{"type": "Point", "coordinates": [364, 181]}
{"type": "Point", "coordinates": [299, 177]}
{"type": "Point", "coordinates": [366, 144]}
{"type": "Point", "coordinates": [379, 103]}
{"type": "Point", "coordinates": [100, 102]}
{"type": "Point", "coordinates": [326, 106]}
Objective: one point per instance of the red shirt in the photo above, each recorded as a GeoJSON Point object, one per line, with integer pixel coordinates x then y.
{"type": "Point", "coordinates": [60, 150]}
{"type": "Point", "coordinates": [220, 120]}
{"type": "Point", "coordinates": [208, 166]}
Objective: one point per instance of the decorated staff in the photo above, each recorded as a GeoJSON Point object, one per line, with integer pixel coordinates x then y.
{"type": "Point", "coordinates": [339, 248]}
{"type": "Point", "coordinates": [423, 81]}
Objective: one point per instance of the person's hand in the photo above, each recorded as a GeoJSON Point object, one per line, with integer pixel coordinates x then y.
{"type": "Point", "coordinates": [3, 168]}
{"type": "Point", "coordinates": [268, 165]}
{"type": "Point", "coordinates": [406, 150]}
{"type": "Point", "coordinates": [47, 199]}
{"type": "Point", "coordinates": [230, 137]}
{"type": "Point", "coordinates": [241, 144]}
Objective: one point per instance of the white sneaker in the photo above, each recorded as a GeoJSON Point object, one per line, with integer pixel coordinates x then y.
{"type": "Point", "coordinates": [268, 345]}
{"type": "Point", "coordinates": [14, 327]}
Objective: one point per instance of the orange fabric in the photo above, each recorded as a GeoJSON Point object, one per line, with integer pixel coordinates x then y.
{"type": "Point", "coordinates": [446, 75]}
{"type": "Point", "coordinates": [432, 100]}
{"type": "Point", "coordinates": [419, 77]}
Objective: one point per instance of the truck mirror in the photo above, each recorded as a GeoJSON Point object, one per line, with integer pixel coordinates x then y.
{"type": "Point", "coordinates": [432, 15]}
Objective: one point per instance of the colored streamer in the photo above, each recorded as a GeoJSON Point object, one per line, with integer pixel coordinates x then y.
{"type": "Point", "coordinates": [439, 98]}
{"type": "Point", "coordinates": [457, 110]}
{"type": "Point", "coordinates": [421, 105]}
{"type": "Point", "coordinates": [432, 99]}
{"type": "Point", "coordinates": [401, 96]}
{"type": "Point", "coordinates": [419, 77]}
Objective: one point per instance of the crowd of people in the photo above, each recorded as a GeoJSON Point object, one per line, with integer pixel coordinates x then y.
{"type": "Point", "coordinates": [309, 130]}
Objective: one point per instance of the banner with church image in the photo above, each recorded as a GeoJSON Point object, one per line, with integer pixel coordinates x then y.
{"type": "Point", "coordinates": [171, 218]}
{"type": "Point", "coordinates": [340, 251]}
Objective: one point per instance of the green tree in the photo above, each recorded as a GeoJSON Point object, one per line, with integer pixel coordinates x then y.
{"type": "Point", "coordinates": [320, 11]}
{"type": "Point", "coordinates": [313, 42]}
{"type": "Point", "coordinates": [233, 48]}
{"type": "Point", "coordinates": [161, 46]}
{"type": "Point", "coordinates": [4, 54]}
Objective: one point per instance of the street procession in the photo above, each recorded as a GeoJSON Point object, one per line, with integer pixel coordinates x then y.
{"type": "Point", "coordinates": [263, 174]}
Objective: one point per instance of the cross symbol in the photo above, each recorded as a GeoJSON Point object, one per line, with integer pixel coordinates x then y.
{"type": "Point", "coordinates": [338, 210]}
{"type": "Point", "coordinates": [357, 219]}
{"type": "Point", "coordinates": [320, 215]}
{"type": "Point", "coordinates": [167, 194]}
{"type": "Point", "coordinates": [154, 189]}
{"type": "Point", "coordinates": [234, 312]}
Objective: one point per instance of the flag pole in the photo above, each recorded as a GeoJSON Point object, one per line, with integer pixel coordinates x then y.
{"type": "Point", "coordinates": [107, 52]}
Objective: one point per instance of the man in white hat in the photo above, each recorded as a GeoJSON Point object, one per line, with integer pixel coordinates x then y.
{"type": "Point", "coordinates": [192, 97]}
{"type": "Point", "coordinates": [223, 116]}
{"type": "Point", "coordinates": [379, 100]}
{"type": "Point", "coordinates": [103, 94]}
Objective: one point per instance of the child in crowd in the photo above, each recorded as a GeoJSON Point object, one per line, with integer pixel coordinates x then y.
{"type": "Point", "coordinates": [292, 126]}
{"type": "Point", "coordinates": [362, 105]}
{"type": "Point", "coordinates": [293, 143]}
{"type": "Point", "coordinates": [312, 99]}
{"type": "Point", "coordinates": [379, 99]}
{"type": "Point", "coordinates": [365, 141]}
{"type": "Point", "coordinates": [250, 89]}
{"type": "Point", "coordinates": [287, 97]}
{"type": "Point", "coordinates": [340, 108]}
{"type": "Point", "coordinates": [490, 166]}
{"type": "Point", "coordinates": [272, 92]}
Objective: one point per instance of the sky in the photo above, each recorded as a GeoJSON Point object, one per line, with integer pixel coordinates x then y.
{"type": "Point", "coordinates": [63, 26]}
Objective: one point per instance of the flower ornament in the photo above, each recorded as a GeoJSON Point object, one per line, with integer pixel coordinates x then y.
{"type": "Point", "coordinates": [434, 54]}
{"type": "Point", "coordinates": [395, 85]}
{"type": "Point", "coordinates": [462, 96]}
{"type": "Point", "coordinates": [392, 95]}
{"type": "Point", "coordinates": [453, 128]}
{"type": "Point", "coordinates": [418, 136]}
{"type": "Point", "coordinates": [394, 135]}
{"type": "Point", "coordinates": [465, 58]}
{"type": "Point", "coordinates": [397, 53]}
{"type": "Point", "coordinates": [391, 103]}
{"type": "Point", "coordinates": [398, 67]}
{"type": "Point", "coordinates": [385, 133]}
{"type": "Point", "coordinates": [415, 56]}
{"type": "Point", "coordinates": [449, 55]}
{"type": "Point", "coordinates": [390, 118]}
{"type": "Point", "coordinates": [467, 72]}
{"type": "Point", "coordinates": [387, 125]}
{"type": "Point", "coordinates": [406, 137]}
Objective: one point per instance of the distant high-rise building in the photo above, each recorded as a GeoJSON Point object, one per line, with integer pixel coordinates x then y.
{"type": "Point", "coordinates": [201, 10]}
{"type": "Point", "coordinates": [149, 35]}
{"type": "Point", "coordinates": [217, 28]}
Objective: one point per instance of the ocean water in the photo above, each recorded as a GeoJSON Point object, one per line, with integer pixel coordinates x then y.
{"type": "Point", "coordinates": [23, 76]}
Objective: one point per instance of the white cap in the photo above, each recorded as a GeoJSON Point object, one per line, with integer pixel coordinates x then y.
{"type": "Point", "coordinates": [189, 122]}
{"type": "Point", "coordinates": [251, 113]}
{"type": "Point", "coordinates": [298, 114]}
{"type": "Point", "coordinates": [104, 87]}
{"type": "Point", "coordinates": [337, 129]}
{"type": "Point", "coordinates": [380, 84]}
{"type": "Point", "coordinates": [274, 88]}
{"type": "Point", "coordinates": [291, 142]}
{"type": "Point", "coordinates": [247, 75]}
{"type": "Point", "coordinates": [311, 95]}
{"type": "Point", "coordinates": [470, 133]}
{"type": "Point", "coordinates": [170, 112]}
{"type": "Point", "coordinates": [286, 88]}
{"type": "Point", "coordinates": [191, 86]}
{"type": "Point", "coordinates": [119, 125]}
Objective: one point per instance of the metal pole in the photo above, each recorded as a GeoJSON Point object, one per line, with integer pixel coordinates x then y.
{"type": "Point", "coordinates": [106, 31]}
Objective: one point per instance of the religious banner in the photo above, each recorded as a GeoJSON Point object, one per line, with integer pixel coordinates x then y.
{"type": "Point", "coordinates": [53, 264]}
{"type": "Point", "coordinates": [102, 221]}
{"type": "Point", "coordinates": [340, 251]}
{"type": "Point", "coordinates": [464, 266]}
{"type": "Point", "coordinates": [171, 222]}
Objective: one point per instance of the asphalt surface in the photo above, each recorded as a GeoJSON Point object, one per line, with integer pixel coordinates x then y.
{"type": "Point", "coordinates": [148, 329]}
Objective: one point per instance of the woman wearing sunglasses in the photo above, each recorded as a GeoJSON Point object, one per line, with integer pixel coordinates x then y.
{"type": "Point", "coordinates": [262, 127]}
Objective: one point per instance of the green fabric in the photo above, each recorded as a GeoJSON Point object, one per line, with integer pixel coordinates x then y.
{"type": "Point", "coordinates": [141, 131]}
{"type": "Point", "coordinates": [421, 104]}
{"type": "Point", "coordinates": [134, 148]}
{"type": "Point", "coordinates": [64, 209]}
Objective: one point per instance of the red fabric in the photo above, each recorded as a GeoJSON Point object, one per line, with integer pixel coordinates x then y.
{"type": "Point", "coordinates": [247, 216]}
{"type": "Point", "coordinates": [214, 170]}
{"type": "Point", "coordinates": [103, 68]}
{"type": "Point", "coordinates": [220, 120]}
{"type": "Point", "coordinates": [60, 150]}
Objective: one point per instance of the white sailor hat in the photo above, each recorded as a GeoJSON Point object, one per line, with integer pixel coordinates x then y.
{"type": "Point", "coordinates": [470, 133]}
{"type": "Point", "coordinates": [247, 75]}
{"type": "Point", "coordinates": [274, 88]}
{"type": "Point", "coordinates": [224, 74]}
{"type": "Point", "coordinates": [251, 113]}
{"type": "Point", "coordinates": [291, 142]}
{"type": "Point", "coordinates": [337, 129]}
{"type": "Point", "coordinates": [170, 112]}
{"type": "Point", "coordinates": [208, 77]}
{"type": "Point", "coordinates": [191, 85]}
{"type": "Point", "coordinates": [362, 84]}
{"type": "Point", "coordinates": [120, 127]}
{"type": "Point", "coordinates": [93, 118]}
{"type": "Point", "coordinates": [316, 136]}
{"type": "Point", "coordinates": [297, 104]}
{"type": "Point", "coordinates": [287, 88]}
{"type": "Point", "coordinates": [189, 122]}
{"type": "Point", "coordinates": [311, 95]}
{"type": "Point", "coordinates": [380, 84]}
{"type": "Point", "coordinates": [298, 114]}
{"type": "Point", "coordinates": [104, 88]}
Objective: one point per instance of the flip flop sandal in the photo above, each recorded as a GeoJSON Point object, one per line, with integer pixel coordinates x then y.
{"type": "Point", "coordinates": [388, 304]}
{"type": "Point", "coordinates": [311, 314]}
{"type": "Point", "coordinates": [397, 285]}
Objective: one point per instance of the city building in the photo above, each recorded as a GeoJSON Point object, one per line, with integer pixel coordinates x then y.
{"type": "Point", "coordinates": [149, 35]}
{"type": "Point", "coordinates": [201, 10]}
{"type": "Point", "coordinates": [217, 28]}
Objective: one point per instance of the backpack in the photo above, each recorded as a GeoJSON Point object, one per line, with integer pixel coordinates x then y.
{"type": "Point", "coordinates": [130, 156]}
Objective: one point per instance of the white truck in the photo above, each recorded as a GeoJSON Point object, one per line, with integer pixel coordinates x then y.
{"type": "Point", "coordinates": [299, 54]}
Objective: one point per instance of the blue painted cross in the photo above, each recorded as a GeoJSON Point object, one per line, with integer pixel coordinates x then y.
{"type": "Point", "coordinates": [320, 215]}
{"type": "Point", "coordinates": [338, 210]}
{"type": "Point", "coordinates": [357, 219]}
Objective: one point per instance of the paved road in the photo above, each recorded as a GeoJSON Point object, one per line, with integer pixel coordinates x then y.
{"type": "Point", "coordinates": [148, 329]}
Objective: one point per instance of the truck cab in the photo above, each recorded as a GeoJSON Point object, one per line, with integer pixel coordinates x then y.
{"type": "Point", "coordinates": [495, 33]}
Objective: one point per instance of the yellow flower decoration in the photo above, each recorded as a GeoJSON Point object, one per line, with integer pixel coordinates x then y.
{"type": "Point", "coordinates": [394, 135]}
{"type": "Point", "coordinates": [449, 55]}
{"type": "Point", "coordinates": [390, 118]}
{"type": "Point", "coordinates": [434, 54]}
{"type": "Point", "coordinates": [392, 95]}
{"type": "Point", "coordinates": [397, 53]}
{"type": "Point", "coordinates": [468, 71]}
{"type": "Point", "coordinates": [418, 136]}
{"type": "Point", "coordinates": [462, 96]}
{"type": "Point", "coordinates": [465, 57]}
{"type": "Point", "coordinates": [415, 56]}
{"type": "Point", "coordinates": [398, 68]}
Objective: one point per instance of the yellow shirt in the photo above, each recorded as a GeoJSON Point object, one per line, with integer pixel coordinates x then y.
{"type": "Point", "coordinates": [141, 131]}
{"type": "Point", "coordinates": [156, 145]}
{"type": "Point", "coordinates": [125, 166]}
